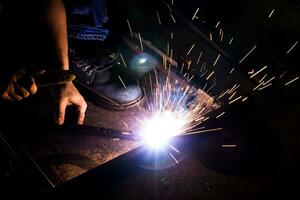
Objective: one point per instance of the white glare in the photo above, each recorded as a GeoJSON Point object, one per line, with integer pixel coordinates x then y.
{"type": "Point", "coordinates": [142, 61]}
{"type": "Point", "coordinates": [161, 128]}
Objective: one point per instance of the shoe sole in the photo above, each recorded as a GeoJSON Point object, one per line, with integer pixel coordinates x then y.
{"type": "Point", "coordinates": [109, 103]}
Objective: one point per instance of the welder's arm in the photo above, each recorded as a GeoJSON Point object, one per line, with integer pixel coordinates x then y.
{"type": "Point", "coordinates": [54, 17]}
{"type": "Point", "coordinates": [55, 20]}
{"type": "Point", "coordinates": [17, 86]}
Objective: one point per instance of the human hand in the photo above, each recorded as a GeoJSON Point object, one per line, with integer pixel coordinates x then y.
{"type": "Point", "coordinates": [69, 95]}
{"type": "Point", "coordinates": [19, 86]}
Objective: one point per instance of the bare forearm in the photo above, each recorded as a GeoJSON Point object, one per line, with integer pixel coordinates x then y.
{"type": "Point", "coordinates": [55, 19]}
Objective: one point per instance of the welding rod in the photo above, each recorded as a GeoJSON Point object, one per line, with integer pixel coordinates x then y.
{"type": "Point", "coordinates": [51, 78]}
